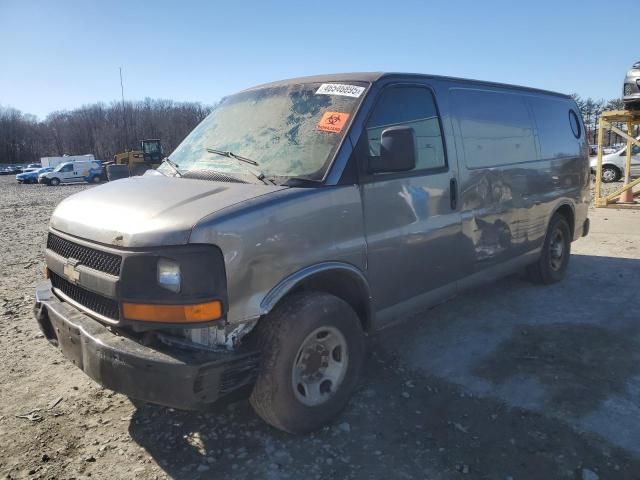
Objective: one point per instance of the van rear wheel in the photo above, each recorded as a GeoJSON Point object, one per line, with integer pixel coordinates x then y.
{"type": "Point", "coordinates": [312, 352]}
{"type": "Point", "coordinates": [551, 267]}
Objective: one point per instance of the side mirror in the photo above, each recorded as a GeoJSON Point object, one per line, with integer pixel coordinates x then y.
{"type": "Point", "coordinates": [397, 151]}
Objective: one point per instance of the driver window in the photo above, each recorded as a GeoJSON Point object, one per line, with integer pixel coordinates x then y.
{"type": "Point", "coordinates": [410, 107]}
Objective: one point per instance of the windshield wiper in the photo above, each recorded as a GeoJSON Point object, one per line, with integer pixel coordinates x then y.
{"type": "Point", "coordinates": [173, 165]}
{"type": "Point", "coordinates": [232, 155]}
{"type": "Point", "coordinates": [258, 174]}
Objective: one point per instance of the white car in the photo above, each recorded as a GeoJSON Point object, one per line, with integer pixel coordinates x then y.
{"type": "Point", "coordinates": [613, 164]}
{"type": "Point", "coordinates": [73, 172]}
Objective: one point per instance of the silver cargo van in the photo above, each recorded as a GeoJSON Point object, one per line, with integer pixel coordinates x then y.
{"type": "Point", "coordinates": [297, 218]}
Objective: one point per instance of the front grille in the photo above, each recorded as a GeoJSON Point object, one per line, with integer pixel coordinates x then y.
{"type": "Point", "coordinates": [629, 89]}
{"type": "Point", "coordinates": [101, 261]}
{"type": "Point", "coordinates": [92, 301]}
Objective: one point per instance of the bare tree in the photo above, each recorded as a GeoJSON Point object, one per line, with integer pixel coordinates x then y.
{"type": "Point", "coordinates": [96, 128]}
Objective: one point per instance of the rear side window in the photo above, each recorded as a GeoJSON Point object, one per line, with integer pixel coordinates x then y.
{"type": "Point", "coordinates": [496, 128]}
{"type": "Point", "coordinates": [410, 107]}
{"type": "Point", "coordinates": [558, 136]}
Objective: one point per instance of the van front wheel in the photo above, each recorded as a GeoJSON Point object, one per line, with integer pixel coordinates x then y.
{"type": "Point", "coordinates": [312, 352]}
{"type": "Point", "coordinates": [54, 182]}
{"type": "Point", "coordinates": [551, 267]}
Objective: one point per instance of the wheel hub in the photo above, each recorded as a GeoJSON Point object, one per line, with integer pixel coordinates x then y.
{"type": "Point", "coordinates": [609, 175]}
{"type": "Point", "coordinates": [320, 366]}
{"type": "Point", "coordinates": [314, 361]}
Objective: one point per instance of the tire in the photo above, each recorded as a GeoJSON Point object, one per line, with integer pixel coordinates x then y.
{"type": "Point", "coordinates": [116, 172]}
{"type": "Point", "coordinates": [551, 267]}
{"type": "Point", "coordinates": [54, 182]}
{"type": "Point", "coordinates": [611, 173]}
{"type": "Point", "coordinates": [96, 179]}
{"type": "Point", "coordinates": [283, 395]}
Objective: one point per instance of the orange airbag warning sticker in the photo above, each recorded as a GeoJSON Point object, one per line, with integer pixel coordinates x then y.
{"type": "Point", "coordinates": [332, 121]}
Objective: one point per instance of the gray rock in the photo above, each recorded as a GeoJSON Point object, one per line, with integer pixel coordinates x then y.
{"type": "Point", "coordinates": [202, 468]}
{"type": "Point", "coordinates": [344, 427]}
{"type": "Point", "coordinates": [589, 474]}
{"type": "Point", "coordinates": [281, 454]}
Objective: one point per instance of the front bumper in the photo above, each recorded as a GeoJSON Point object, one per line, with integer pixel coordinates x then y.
{"type": "Point", "coordinates": [631, 90]}
{"type": "Point", "coordinates": [179, 378]}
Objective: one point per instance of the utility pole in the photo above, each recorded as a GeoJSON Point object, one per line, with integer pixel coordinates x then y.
{"type": "Point", "coordinates": [124, 115]}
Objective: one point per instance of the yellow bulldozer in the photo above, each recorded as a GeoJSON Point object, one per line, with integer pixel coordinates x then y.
{"type": "Point", "coordinates": [136, 162]}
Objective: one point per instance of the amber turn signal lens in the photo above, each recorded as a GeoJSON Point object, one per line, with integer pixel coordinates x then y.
{"type": "Point", "coordinates": [199, 312]}
{"type": "Point", "coordinates": [46, 272]}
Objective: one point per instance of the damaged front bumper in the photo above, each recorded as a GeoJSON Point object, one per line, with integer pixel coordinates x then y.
{"type": "Point", "coordinates": [182, 378]}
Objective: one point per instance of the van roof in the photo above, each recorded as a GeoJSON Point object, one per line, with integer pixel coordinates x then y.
{"type": "Point", "coordinates": [373, 77]}
{"type": "Point", "coordinates": [76, 162]}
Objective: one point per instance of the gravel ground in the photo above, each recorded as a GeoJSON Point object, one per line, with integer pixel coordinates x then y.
{"type": "Point", "coordinates": [508, 381]}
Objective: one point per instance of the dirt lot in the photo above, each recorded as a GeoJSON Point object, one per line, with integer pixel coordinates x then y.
{"type": "Point", "coordinates": [511, 381]}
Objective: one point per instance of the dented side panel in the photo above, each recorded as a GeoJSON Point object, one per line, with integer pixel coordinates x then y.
{"type": "Point", "coordinates": [267, 241]}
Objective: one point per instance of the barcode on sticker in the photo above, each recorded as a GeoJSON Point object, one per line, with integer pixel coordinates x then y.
{"type": "Point", "coordinates": [340, 89]}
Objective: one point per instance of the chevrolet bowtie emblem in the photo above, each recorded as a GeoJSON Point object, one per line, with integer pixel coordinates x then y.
{"type": "Point", "coordinates": [71, 273]}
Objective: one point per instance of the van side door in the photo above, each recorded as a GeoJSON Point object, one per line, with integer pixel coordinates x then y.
{"type": "Point", "coordinates": [412, 221]}
{"type": "Point", "coordinates": [66, 173]}
{"type": "Point", "coordinates": [80, 171]}
{"type": "Point", "coordinates": [497, 153]}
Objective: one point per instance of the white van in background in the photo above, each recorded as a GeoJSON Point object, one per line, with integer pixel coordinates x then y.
{"type": "Point", "coordinates": [73, 172]}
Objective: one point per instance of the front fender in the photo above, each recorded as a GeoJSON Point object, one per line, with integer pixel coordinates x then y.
{"type": "Point", "coordinates": [288, 284]}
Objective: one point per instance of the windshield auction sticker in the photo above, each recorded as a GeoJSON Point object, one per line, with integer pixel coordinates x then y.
{"type": "Point", "coordinates": [340, 89]}
{"type": "Point", "coordinates": [333, 121]}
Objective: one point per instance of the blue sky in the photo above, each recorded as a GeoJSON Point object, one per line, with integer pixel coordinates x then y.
{"type": "Point", "coordinates": [61, 54]}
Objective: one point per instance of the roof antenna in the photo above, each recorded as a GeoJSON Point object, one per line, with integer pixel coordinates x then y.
{"type": "Point", "coordinates": [124, 116]}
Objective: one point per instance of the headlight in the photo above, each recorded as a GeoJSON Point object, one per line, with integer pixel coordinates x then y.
{"type": "Point", "coordinates": [169, 274]}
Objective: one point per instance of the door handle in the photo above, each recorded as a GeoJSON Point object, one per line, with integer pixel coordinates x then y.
{"type": "Point", "coordinates": [453, 193]}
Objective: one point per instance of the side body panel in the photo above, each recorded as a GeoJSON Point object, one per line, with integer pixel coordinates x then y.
{"type": "Point", "coordinates": [265, 242]}
{"type": "Point", "coordinates": [510, 186]}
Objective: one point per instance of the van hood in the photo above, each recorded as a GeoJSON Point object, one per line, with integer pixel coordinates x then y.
{"type": "Point", "coordinates": [148, 211]}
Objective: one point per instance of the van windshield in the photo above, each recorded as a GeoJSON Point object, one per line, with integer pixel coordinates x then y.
{"type": "Point", "coordinates": [291, 130]}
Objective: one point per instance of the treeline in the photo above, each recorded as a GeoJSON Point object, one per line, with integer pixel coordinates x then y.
{"type": "Point", "coordinates": [100, 129]}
